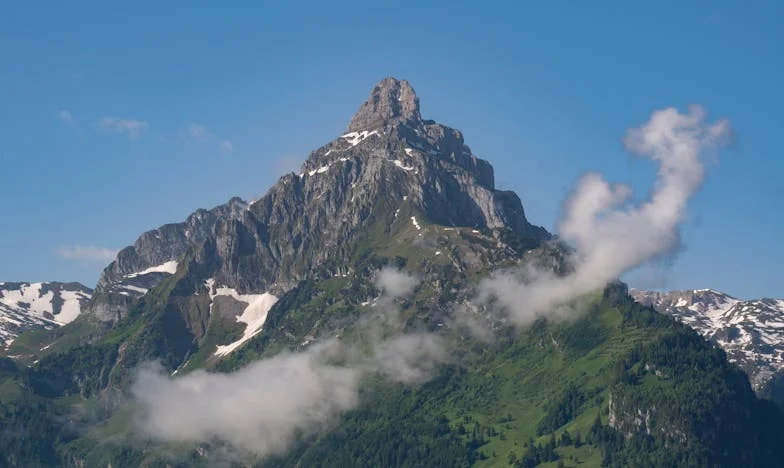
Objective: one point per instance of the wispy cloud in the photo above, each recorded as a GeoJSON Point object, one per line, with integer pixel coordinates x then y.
{"type": "Point", "coordinates": [65, 116]}
{"type": "Point", "coordinates": [395, 283]}
{"type": "Point", "coordinates": [132, 128]}
{"type": "Point", "coordinates": [199, 134]}
{"type": "Point", "coordinates": [610, 234]}
{"type": "Point", "coordinates": [87, 254]}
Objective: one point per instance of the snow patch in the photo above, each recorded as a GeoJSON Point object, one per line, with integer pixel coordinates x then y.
{"type": "Point", "coordinates": [708, 290]}
{"type": "Point", "coordinates": [29, 294]}
{"type": "Point", "coordinates": [400, 164]}
{"type": "Point", "coordinates": [71, 306]}
{"type": "Point", "coordinates": [416, 224]}
{"type": "Point", "coordinates": [320, 170]}
{"type": "Point", "coordinates": [355, 138]}
{"type": "Point", "coordinates": [130, 287]}
{"type": "Point", "coordinates": [254, 315]}
{"type": "Point", "coordinates": [169, 267]}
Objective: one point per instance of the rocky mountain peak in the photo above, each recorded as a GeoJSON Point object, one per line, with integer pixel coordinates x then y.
{"type": "Point", "coordinates": [391, 101]}
{"type": "Point", "coordinates": [392, 168]}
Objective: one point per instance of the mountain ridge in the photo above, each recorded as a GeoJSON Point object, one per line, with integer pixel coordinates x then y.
{"type": "Point", "coordinates": [34, 305]}
{"type": "Point", "coordinates": [750, 331]}
{"type": "Point", "coordinates": [404, 161]}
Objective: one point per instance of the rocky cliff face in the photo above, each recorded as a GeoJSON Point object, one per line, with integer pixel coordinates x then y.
{"type": "Point", "coordinates": [25, 306]}
{"type": "Point", "coordinates": [168, 242]}
{"type": "Point", "coordinates": [390, 161]}
{"type": "Point", "coordinates": [750, 332]}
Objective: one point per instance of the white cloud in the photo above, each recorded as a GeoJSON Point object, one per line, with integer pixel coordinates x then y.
{"type": "Point", "coordinates": [65, 116]}
{"type": "Point", "coordinates": [199, 134]}
{"type": "Point", "coordinates": [87, 254]}
{"type": "Point", "coordinates": [132, 128]}
{"type": "Point", "coordinates": [611, 235]}
{"type": "Point", "coordinates": [395, 283]}
{"type": "Point", "coordinates": [409, 358]}
{"type": "Point", "coordinates": [259, 408]}
{"type": "Point", "coordinates": [262, 407]}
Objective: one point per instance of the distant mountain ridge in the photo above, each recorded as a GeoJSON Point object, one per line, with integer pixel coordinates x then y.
{"type": "Point", "coordinates": [26, 306]}
{"type": "Point", "coordinates": [751, 332]}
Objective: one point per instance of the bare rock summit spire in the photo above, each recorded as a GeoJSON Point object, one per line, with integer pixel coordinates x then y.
{"type": "Point", "coordinates": [391, 101]}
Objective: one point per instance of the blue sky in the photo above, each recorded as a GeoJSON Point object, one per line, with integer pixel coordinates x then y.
{"type": "Point", "coordinates": [117, 118]}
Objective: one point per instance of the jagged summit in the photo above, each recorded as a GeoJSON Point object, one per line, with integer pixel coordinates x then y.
{"type": "Point", "coordinates": [390, 169]}
{"type": "Point", "coordinates": [390, 122]}
{"type": "Point", "coordinates": [391, 101]}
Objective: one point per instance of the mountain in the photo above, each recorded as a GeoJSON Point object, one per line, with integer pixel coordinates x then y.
{"type": "Point", "coordinates": [28, 306]}
{"type": "Point", "coordinates": [153, 257]}
{"type": "Point", "coordinates": [335, 322]}
{"type": "Point", "coordinates": [751, 332]}
{"type": "Point", "coordinates": [389, 159]}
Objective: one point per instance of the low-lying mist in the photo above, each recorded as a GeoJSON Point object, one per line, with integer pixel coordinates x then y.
{"type": "Point", "coordinates": [262, 407]}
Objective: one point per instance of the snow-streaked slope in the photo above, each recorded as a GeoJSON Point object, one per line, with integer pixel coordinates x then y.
{"type": "Point", "coordinates": [253, 316]}
{"type": "Point", "coordinates": [137, 284]}
{"type": "Point", "coordinates": [750, 332]}
{"type": "Point", "coordinates": [25, 306]}
{"type": "Point", "coordinates": [169, 267]}
{"type": "Point", "coordinates": [355, 138]}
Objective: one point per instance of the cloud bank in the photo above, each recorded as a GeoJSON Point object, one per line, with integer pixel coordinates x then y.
{"type": "Point", "coordinates": [610, 234]}
{"type": "Point", "coordinates": [259, 408]}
